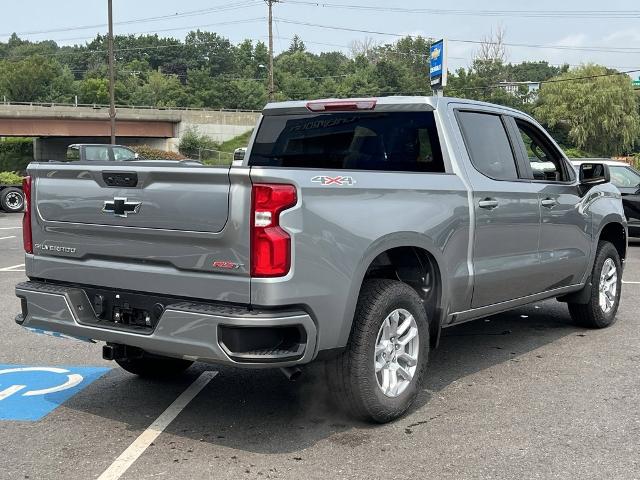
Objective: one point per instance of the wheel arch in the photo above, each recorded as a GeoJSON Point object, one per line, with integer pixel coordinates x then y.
{"type": "Point", "coordinates": [399, 249]}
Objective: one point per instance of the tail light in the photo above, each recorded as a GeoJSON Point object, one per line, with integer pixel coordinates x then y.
{"type": "Point", "coordinates": [270, 244]}
{"type": "Point", "coordinates": [26, 219]}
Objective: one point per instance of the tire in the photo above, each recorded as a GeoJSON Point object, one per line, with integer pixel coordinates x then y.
{"type": "Point", "coordinates": [12, 200]}
{"type": "Point", "coordinates": [352, 377]}
{"type": "Point", "coordinates": [593, 314]}
{"type": "Point", "coordinates": [154, 366]}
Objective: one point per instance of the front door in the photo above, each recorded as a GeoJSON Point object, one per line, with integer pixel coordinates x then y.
{"type": "Point", "coordinates": [507, 213]}
{"type": "Point", "coordinates": [565, 236]}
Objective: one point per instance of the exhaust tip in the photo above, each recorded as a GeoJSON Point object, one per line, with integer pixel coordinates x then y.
{"type": "Point", "coordinates": [292, 373]}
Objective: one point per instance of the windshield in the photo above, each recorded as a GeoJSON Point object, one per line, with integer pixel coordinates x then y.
{"type": "Point", "coordinates": [624, 177]}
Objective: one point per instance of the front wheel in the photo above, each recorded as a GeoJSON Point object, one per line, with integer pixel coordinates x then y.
{"type": "Point", "coordinates": [606, 280]}
{"type": "Point", "coordinates": [379, 374]}
{"type": "Point", "coordinates": [154, 366]}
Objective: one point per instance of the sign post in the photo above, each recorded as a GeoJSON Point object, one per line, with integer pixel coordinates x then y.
{"type": "Point", "coordinates": [438, 66]}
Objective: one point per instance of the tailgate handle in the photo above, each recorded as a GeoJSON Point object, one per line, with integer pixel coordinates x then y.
{"type": "Point", "coordinates": [120, 179]}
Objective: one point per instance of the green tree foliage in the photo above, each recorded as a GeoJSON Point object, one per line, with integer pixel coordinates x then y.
{"type": "Point", "coordinates": [15, 154]}
{"type": "Point", "coordinates": [34, 79]}
{"type": "Point", "coordinates": [205, 70]}
{"type": "Point", "coordinates": [600, 113]}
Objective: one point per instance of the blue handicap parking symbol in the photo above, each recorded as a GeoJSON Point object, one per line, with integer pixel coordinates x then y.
{"type": "Point", "coordinates": [29, 393]}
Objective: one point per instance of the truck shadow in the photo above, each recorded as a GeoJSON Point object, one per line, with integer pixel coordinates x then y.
{"type": "Point", "coordinates": [262, 412]}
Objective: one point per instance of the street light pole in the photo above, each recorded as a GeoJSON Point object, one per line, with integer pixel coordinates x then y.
{"type": "Point", "coordinates": [272, 87]}
{"type": "Point", "coordinates": [112, 102]}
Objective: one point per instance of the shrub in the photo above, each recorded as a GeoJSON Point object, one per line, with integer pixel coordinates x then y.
{"type": "Point", "coordinates": [10, 178]}
{"type": "Point", "coordinates": [15, 154]}
{"type": "Point", "coordinates": [195, 146]}
{"type": "Point", "coordinates": [149, 153]}
{"type": "Point", "coordinates": [577, 153]}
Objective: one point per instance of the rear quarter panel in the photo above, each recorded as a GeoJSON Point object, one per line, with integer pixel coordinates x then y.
{"type": "Point", "coordinates": [337, 230]}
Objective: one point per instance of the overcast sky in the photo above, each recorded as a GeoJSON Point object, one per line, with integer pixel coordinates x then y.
{"type": "Point", "coordinates": [250, 16]}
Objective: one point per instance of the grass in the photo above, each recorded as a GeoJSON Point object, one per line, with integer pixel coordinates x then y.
{"type": "Point", "coordinates": [236, 142]}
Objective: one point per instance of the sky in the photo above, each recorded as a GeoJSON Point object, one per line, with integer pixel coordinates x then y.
{"type": "Point", "coordinates": [580, 26]}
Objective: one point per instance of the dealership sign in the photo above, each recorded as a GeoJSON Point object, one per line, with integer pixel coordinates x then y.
{"type": "Point", "coordinates": [438, 64]}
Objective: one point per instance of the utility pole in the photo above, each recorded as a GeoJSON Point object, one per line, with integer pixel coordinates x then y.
{"type": "Point", "coordinates": [112, 101]}
{"type": "Point", "coordinates": [272, 88]}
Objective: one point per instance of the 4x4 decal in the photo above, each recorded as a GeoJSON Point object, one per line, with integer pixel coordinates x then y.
{"type": "Point", "coordinates": [340, 180]}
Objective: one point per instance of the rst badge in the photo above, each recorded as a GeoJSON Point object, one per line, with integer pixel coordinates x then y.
{"type": "Point", "coordinates": [339, 181]}
{"type": "Point", "coordinates": [54, 248]}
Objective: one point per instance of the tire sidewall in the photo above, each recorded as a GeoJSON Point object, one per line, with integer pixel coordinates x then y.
{"type": "Point", "coordinates": [380, 406]}
{"type": "Point", "coordinates": [606, 251]}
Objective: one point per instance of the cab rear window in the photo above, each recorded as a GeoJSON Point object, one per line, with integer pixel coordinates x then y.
{"type": "Point", "coordinates": [349, 141]}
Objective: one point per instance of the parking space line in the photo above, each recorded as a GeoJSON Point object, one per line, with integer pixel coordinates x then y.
{"type": "Point", "coordinates": [7, 238]}
{"type": "Point", "coordinates": [137, 448]}
{"type": "Point", "coordinates": [10, 228]}
{"type": "Point", "coordinates": [13, 268]}
{"type": "Point", "coordinates": [631, 283]}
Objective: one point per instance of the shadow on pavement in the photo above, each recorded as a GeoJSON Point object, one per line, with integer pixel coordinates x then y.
{"type": "Point", "coordinates": [262, 412]}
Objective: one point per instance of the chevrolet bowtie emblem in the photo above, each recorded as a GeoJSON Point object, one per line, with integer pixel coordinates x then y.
{"type": "Point", "coordinates": [120, 207]}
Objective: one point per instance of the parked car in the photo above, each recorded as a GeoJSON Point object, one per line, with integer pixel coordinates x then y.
{"type": "Point", "coordinates": [627, 179]}
{"type": "Point", "coordinates": [353, 233]}
{"type": "Point", "coordinates": [99, 153]}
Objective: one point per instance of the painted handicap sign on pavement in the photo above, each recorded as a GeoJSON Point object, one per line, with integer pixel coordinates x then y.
{"type": "Point", "coordinates": [29, 393]}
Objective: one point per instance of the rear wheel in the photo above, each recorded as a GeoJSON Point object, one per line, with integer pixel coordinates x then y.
{"type": "Point", "coordinates": [606, 280]}
{"type": "Point", "coordinates": [12, 200]}
{"type": "Point", "coordinates": [154, 366]}
{"type": "Point", "coordinates": [379, 374]}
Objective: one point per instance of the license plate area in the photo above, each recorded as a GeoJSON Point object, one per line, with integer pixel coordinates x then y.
{"type": "Point", "coordinates": [125, 310]}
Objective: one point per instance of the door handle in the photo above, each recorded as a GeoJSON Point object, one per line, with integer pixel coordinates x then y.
{"type": "Point", "coordinates": [549, 203]}
{"type": "Point", "coordinates": [488, 203]}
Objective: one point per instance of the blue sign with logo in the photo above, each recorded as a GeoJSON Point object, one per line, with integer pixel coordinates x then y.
{"type": "Point", "coordinates": [29, 393]}
{"type": "Point", "coordinates": [438, 64]}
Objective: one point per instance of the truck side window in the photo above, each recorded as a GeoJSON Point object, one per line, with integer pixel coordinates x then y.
{"type": "Point", "coordinates": [546, 161]}
{"type": "Point", "coordinates": [488, 145]}
{"type": "Point", "coordinates": [395, 141]}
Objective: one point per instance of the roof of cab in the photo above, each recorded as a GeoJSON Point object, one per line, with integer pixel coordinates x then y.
{"type": "Point", "coordinates": [383, 104]}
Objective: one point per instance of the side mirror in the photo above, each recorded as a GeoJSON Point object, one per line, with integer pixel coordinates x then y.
{"type": "Point", "coordinates": [594, 174]}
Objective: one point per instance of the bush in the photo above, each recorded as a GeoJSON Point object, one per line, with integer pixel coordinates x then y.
{"type": "Point", "coordinates": [10, 178]}
{"type": "Point", "coordinates": [577, 153]}
{"type": "Point", "coordinates": [15, 154]}
{"type": "Point", "coordinates": [195, 146]}
{"type": "Point", "coordinates": [149, 153]}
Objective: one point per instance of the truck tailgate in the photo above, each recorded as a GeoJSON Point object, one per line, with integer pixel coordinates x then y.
{"type": "Point", "coordinates": [143, 226]}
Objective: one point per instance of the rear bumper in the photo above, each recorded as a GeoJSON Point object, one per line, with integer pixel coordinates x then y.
{"type": "Point", "coordinates": [184, 330]}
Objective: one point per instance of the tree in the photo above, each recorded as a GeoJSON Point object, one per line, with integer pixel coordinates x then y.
{"type": "Point", "coordinates": [297, 45]}
{"type": "Point", "coordinates": [596, 106]}
{"type": "Point", "coordinates": [32, 79]}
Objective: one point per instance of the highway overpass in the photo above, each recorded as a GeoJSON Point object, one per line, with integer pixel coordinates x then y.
{"type": "Point", "coordinates": [55, 126]}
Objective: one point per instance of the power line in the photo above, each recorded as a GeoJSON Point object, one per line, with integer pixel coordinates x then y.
{"type": "Point", "coordinates": [595, 14]}
{"type": "Point", "coordinates": [220, 8]}
{"type": "Point", "coordinates": [554, 47]}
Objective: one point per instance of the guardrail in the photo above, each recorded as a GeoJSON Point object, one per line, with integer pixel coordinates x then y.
{"type": "Point", "coordinates": [99, 106]}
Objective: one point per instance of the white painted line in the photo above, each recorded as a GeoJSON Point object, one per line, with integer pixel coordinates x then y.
{"type": "Point", "coordinates": [10, 228]}
{"type": "Point", "coordinates": [7, 238]}
{"type": "Point", "coordinates": [631, 283]}
{"type": "Point", "coordinates": [13, 268]}
{"type": "Point", "coordinates": [137, 448]}
{"type": "Point", "coordinates": [7, 392]}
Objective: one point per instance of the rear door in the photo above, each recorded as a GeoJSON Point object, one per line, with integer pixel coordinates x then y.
{"type": "Point", "coordinates": [507, 213]}
{"type": "Point", "coordinates": [160, 227]}
{"type": "Point", "coordinates": [565, 235]}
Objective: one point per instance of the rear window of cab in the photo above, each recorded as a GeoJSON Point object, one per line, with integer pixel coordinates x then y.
{"type": "Point", "coordinates": [383, 141]}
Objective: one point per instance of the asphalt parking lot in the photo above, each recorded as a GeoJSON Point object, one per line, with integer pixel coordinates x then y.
{"type": "Point", "coordinates": [524, 394]}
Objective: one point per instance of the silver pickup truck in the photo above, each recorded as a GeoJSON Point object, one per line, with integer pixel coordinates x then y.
{"type": "Point", "coordinates": [353, 232]}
